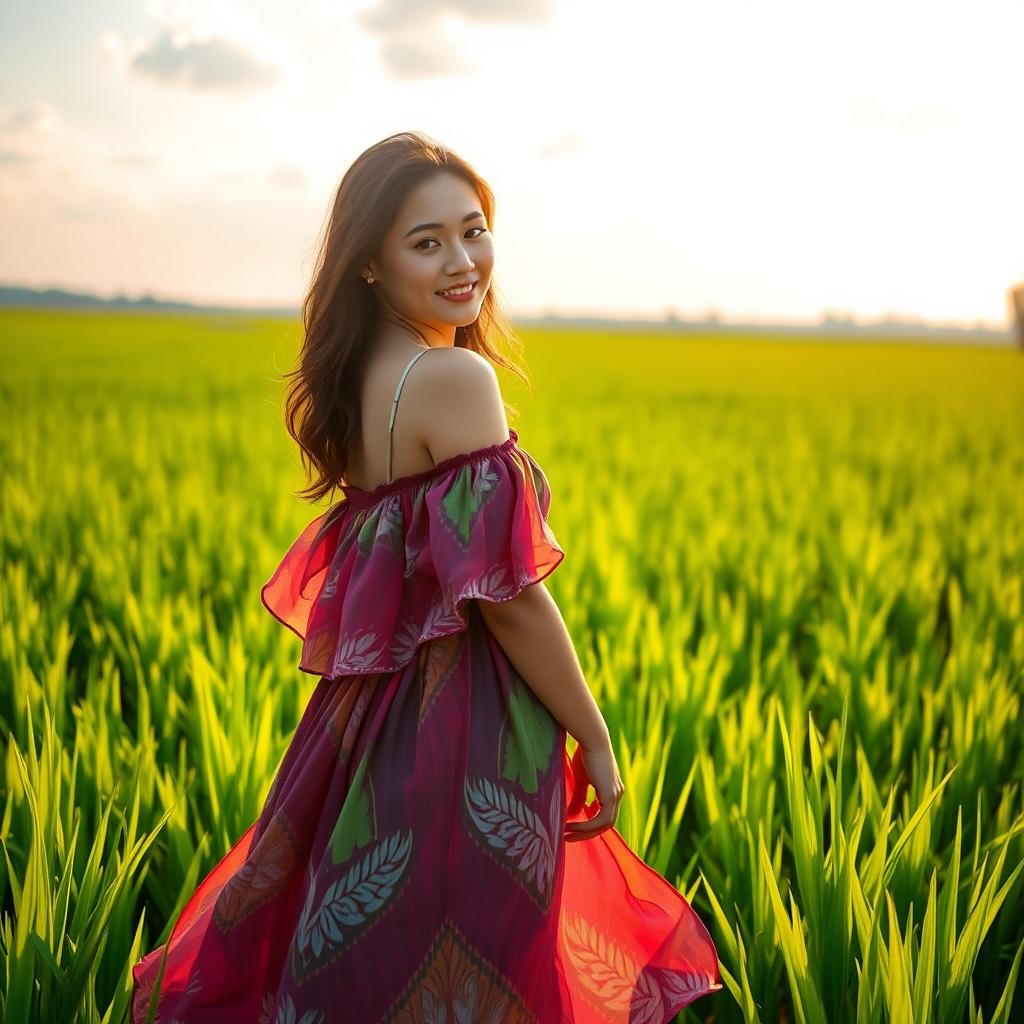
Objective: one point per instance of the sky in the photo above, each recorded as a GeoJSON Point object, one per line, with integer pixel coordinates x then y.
{"type": "Point", "coordinates": [757, 161]}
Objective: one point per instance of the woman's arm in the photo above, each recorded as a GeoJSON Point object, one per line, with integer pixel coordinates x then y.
{"type": "Point", "coordinates": [457, 404]}
{"type": "Point", "coordinates": [532, 633]}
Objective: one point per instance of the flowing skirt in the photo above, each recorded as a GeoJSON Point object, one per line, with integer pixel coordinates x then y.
{"type": "Point", "coordinates": [409, 865]}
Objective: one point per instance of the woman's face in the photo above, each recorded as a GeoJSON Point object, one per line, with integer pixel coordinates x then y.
{"type": "Point", "coordinates": [439, 239]}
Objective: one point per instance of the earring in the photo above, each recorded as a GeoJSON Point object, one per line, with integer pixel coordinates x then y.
{"type": "Point", "coordinates": [369, 278]}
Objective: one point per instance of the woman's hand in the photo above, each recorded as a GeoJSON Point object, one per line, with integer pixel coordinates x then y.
{"type": "Point", "coordinates": [597, 768]}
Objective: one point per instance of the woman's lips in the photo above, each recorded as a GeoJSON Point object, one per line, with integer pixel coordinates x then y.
{"type": "Point", "coordinates": [464, 297]}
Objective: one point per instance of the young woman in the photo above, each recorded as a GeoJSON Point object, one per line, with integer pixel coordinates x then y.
{"type": "Point", "coordinates": [425, 852]}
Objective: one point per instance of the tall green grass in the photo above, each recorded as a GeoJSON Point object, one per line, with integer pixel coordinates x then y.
{"type": "Point", "coordinates": [794, 577]}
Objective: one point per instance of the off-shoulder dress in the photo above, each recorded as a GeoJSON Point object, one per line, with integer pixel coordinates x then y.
{"type": "Point", "coordinates": [409, 863]}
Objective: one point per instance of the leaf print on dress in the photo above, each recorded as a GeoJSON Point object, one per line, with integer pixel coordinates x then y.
{"type": "Point", "coordinates": [413, 549]}
{"type": "Point", "coordinates": [368, 530]}
{"type": "Point", "coordinates": [466, 499]}
{"type": "Point", "coordinates": [438, 660]}
{"type": "Point", "coordinates": [346, 722]}
{"type": "Point", "coordinates": [455, 984]}
{"type": "Point", "coordinates": [495, 584]}
{"type": "Point", "coordinates": [330, 587]}
{"type": "Point", "coordinates": [286, 1014]}
{"type": "Point", "coordinates": [391, 526]}
{"type": "Point", "coordinates": [355, 651]}
{"type": "Point", "coordinates": [529, 739]}
{"type": "Point", "coordinates": [439, 620]}
{"type": "Point", "coordinates": [540, 484]}
{"type": "Point", "coordinates": [661, 993]}
{"type": "Point", "coordinates": [331, 581]}
{"type": "Point", "coordinates": [349, 905]}
{"type": "Point", "coordinates": [265, 872]}
{"type": "Point", "coordinates": [384, 525]}
{"type": "Point", "coordinates": [617, 982]}
{"type": "Point", "coordinates": [353, 827]}
{"type": "Point", "coordinates": [608, 972]}
{"type": "Point", "coordinates": [266, 1009]}
{"type": "Point", "coordinates": [524, 842]}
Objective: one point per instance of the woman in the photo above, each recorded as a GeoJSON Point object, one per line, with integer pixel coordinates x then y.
{"type": "Point", "coordinates": [425, 851]}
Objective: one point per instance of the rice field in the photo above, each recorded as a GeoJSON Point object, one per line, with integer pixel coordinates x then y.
{"type": "Point", "coordinates": [794, 578]}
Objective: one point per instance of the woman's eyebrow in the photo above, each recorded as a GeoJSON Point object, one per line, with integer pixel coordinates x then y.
{"type": "Point", "coordinates": [424, 227]}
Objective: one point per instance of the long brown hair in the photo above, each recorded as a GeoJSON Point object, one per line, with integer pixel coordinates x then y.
{"type": "Point", "coordinates": [339, 310]}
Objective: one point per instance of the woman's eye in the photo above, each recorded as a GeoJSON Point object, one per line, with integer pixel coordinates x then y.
{"type": "Point", "coordinates": [422, 240]}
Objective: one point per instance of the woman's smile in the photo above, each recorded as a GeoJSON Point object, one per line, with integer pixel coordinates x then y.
{"type": "Point", "coordinates": [459, 293]}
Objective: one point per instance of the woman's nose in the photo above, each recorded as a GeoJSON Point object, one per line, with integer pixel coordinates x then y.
{"type": "Point", "coordinates": [463, 263]}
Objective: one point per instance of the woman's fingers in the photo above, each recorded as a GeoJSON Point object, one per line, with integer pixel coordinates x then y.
{"type": "Point", "coordinates": [598, 769]}
{"type": "Point", "coordinates": [593, 827]}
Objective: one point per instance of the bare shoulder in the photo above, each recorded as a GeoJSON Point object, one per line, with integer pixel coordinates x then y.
{"type": "Point", "coordinates": [460, 405]}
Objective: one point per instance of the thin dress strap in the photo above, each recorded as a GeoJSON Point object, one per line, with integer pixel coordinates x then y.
{"type": "Point", "coordinates": [394, 404]}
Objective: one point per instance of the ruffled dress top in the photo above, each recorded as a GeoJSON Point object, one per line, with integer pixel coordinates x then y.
{"type": "Point", "coordinates": [409, 863]}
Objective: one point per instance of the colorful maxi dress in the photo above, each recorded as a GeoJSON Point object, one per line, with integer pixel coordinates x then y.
{"type": "Point", "coordinates": [409, 863]}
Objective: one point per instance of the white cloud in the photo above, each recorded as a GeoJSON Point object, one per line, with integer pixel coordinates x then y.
{"type": "Point", "coordinates": [214, 46]}
{"type": "Point", "coordinates": [409, 57]}
{"type": "Point", "coordinates": [413, 42]}
{"type": "Point", "coordinates": [401, 16]}
{"type": "Point", "coordinates": [181, 58]}
{"type": "Point", "coordinates": [175, 57]}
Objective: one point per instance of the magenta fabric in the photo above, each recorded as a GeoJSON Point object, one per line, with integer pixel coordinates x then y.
{"type": "Point", "coordinates": [409, 863]}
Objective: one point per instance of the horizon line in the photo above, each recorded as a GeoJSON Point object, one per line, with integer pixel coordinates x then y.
{"type": "Point", "coordinates": [828, 317]}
